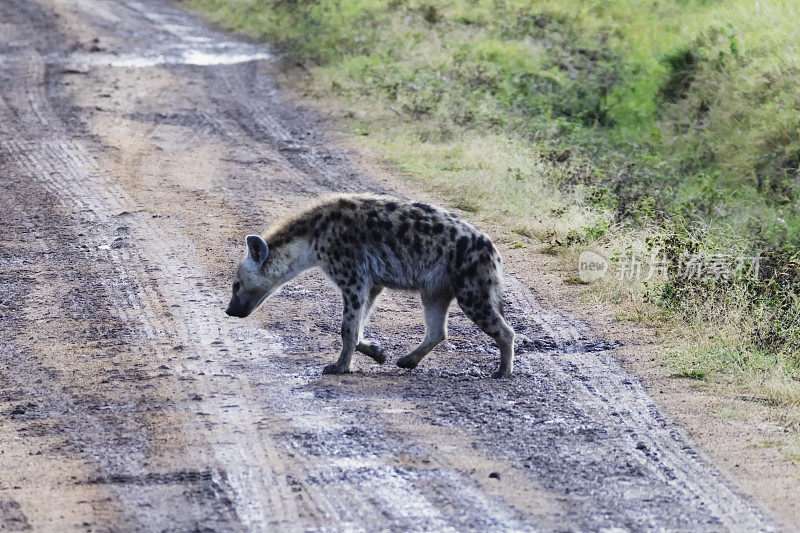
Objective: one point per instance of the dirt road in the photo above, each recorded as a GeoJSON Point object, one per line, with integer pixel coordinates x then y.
{"type": "Point", "coordinates": [137, 148]}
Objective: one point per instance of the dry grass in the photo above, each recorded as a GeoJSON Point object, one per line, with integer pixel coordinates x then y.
{"type": "Point", "coordinates": [495, 176]}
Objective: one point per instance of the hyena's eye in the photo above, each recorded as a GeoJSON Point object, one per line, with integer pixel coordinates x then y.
{"type": "Point", "coordinates": [236, 286]}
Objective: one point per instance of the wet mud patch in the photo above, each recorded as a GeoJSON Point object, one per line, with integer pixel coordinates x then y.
{"type": "Point", "coordinates": [353, 441]}
{"type": "Point", "coordinates": [182, 477]}
{"type": "Point", "coordinates": [187, 118]}
{"type": "Point", "coordinates": [210, 492]}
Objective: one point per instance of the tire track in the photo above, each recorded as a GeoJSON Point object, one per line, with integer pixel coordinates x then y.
{"type": "Point", "coordinates": [69, 173]}
{"type": "Point", "coordinates": [72, 177]}
{"type": "Point", "coordinates": [605, 386]}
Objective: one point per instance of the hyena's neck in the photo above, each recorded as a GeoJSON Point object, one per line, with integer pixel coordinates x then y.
{"type": "Point", "coordinates": [293, 257]}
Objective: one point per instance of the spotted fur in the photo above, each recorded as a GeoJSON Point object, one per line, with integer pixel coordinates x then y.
{"type": "Point", "coordinates": [366, 243]}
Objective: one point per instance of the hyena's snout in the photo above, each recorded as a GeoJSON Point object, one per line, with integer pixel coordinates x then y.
{"type": "Point", "coordinates": [237, 308]}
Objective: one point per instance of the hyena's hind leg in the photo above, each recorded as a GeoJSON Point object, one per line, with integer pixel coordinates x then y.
{"type": "Point", "coordinates": [435, 328]}
{"type": "Point", "coordinates": [370, 348]}
{"type": "Point", "coordinates": [483, 306]}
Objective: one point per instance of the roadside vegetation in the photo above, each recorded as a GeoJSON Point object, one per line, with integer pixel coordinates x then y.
{"type": "Point", "coordinates": [665, 130]}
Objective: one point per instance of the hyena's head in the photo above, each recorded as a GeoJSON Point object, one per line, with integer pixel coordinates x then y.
{"type": "Point", "coordinates": [254, 280]}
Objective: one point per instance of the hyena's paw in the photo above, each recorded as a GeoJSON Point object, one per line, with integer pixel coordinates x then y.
{"type": "Point", "coordinates": [334, 368]}
{"type": "Point", "coordinates": [409, 361]}
{"type": "Point", "coordinates": [502, 373]}
{"type": "Point", "coordinates": [373, 350]}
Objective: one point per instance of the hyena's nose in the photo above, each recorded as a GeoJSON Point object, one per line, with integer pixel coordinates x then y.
{"type": "Point", "coordinates": [236, 309]}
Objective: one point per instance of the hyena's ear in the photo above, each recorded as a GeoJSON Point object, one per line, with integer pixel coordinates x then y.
{"type": "Point", "coordinates": [258, 248]}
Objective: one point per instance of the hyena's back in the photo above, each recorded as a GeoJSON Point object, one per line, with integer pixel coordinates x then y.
{"type": "Point", "coordinates": [396, 244]}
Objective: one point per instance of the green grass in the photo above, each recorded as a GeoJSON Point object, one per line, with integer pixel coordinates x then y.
{"type": "Point", "coordinates": [690, 90]}
{"type": "Point", "coordinates": [629, 126]}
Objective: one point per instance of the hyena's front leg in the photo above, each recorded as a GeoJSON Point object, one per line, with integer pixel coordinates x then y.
{"type": "Point", "coordinates": [353, 299]}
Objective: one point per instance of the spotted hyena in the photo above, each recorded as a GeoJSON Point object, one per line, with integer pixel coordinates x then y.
{"type": "Point", "coordinates": [365, 243]}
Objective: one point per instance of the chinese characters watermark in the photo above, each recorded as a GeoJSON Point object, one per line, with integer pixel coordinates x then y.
{"type": "Point", "coordinates": [593, 266]}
